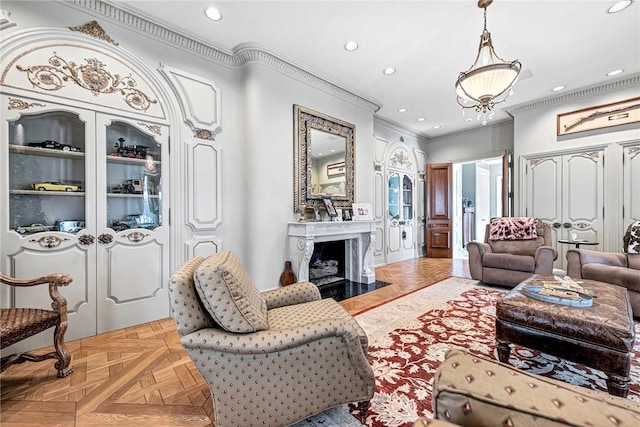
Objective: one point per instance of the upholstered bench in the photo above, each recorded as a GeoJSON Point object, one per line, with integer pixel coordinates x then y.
{"type": "Point", "coordinates": [601, 336]}
{"type": "Point", "coordinates": [470, 390]}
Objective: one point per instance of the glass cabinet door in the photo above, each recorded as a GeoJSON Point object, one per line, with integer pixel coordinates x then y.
{"type": "Point", "coordinates": [407, 198]}
{"type": "Point", "coordinates": [133, 178]}
{"type": "Point", "coordinates": [47, 174]}
{"type": "Point", "coordinates": [394, 196]}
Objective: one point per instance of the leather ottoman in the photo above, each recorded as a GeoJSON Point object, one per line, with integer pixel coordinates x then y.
{"type": "Point", "coordinates": [601, 336]}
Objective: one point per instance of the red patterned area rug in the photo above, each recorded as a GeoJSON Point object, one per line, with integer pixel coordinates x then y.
{"type": "Point", "coordinates": [408, 338]}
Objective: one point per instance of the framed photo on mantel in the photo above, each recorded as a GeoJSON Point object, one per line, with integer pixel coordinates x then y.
{"type": "Point", "coordinates": [362, 212]}
{"type": "Point", "coordinates": [599, 117]}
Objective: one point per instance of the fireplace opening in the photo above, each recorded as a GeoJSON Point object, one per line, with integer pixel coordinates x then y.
{"type": "Point", "coordinates": [327, 263]}
{"type": "Point", "coordinates": [327, 271]}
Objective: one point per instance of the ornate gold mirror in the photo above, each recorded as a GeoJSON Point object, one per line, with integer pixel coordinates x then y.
{"type": "Point", "coordinates": [323, 159]}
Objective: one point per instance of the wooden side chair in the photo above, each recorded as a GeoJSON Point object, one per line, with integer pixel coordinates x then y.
{"type": "Point", "coordinates": [17, 324]}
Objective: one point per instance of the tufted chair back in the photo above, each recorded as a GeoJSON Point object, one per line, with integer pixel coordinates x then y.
{"type": "Point", "coordinates": [188, 313]}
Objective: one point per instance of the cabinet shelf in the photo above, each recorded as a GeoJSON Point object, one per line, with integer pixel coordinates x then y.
{"type": "Point", "coordinates": [47, 193]}
{"type": "Point", "coordinates": [132, 196]}
{"type": "Point", "coordinates": [45, 152]}
{"type": "Point", "coordinates": [129, 161]}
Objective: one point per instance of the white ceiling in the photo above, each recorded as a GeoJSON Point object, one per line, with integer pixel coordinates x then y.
{"type": "Point", "coordinates": [429, 42]}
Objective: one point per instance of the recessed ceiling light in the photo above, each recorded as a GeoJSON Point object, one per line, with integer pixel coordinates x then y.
{"type": "Point", "coordinates": [213, 14]}
{"type": "Point", "coordinates": [619, 6]}
{"type": "Point", "coordinates": [615, 72]}
{"type": "Point", "coordinates": [319, 154]}
{"type": "Point", "coordinates": [402, 110]}
{"type": "Point", "coordinates": [351, 46]}
{"type": "Point", "coordinates": [557, 88]}
{"type": "Point", "coordinates": [388, 71]}
{"type": "Point", "coordinates": [437, 126]}
{"type": "Point", "coordinates": [421, 119]}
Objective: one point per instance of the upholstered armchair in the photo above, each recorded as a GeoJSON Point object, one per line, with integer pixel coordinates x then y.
{"type": "Point", "coordinates": [622, 269]}
{"type": "Point", "coordinates": [18, 323]}
{"type": "Point", "coordinates": [270, 358]}
{"type": "Point", "coordinates": [507, 258]}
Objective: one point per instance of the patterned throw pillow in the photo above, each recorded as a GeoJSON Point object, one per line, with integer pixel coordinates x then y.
{"type": "Point", "coordinates": [631, 240]}
{"type": "Point", "coordinates": [513, 228]}
{"type": "Point", "coordinates": [229, 295]}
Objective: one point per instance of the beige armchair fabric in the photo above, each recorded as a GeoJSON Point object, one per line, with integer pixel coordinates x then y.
{"type": "Point", "coordinates": [311, 356]}
{"type": "Point", "coordinates": [504, 262]}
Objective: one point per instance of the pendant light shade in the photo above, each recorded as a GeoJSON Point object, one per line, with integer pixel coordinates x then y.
{"type": "Point", "coordinates": [490, 79]}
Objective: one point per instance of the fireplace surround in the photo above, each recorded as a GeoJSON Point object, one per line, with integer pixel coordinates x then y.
{"type": "Point", "coordinates": [359, 239]}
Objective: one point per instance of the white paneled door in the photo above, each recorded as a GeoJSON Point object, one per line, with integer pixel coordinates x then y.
{"type": "Point", "coordinates": [567, 192]}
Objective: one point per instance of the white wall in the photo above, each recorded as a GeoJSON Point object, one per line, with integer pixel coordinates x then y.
{"type": "Point", "coordinates": [535, 127]}
{"type": "Point", "coordinates": [483, 142]}
{"type": "Point", "coordinates": [256, 136]}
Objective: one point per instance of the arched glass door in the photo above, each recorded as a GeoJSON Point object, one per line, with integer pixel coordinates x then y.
{"type": "Point", "coordinates": [400, 228]}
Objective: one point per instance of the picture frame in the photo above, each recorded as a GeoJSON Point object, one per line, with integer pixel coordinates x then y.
{"type": "Point", "coordinates": [328, 205]}
{"type": "Point", "coordinates": [599, 117]}
{"type": "Point", "coordinates": [346, 214]}
{"type": "Point", "coordinates": [362, 212]}
{"type": "Point", "coordinates": [335, 169]}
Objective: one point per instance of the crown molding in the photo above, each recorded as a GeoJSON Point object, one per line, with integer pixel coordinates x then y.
{"type": "Point", "coordinates": [494, 125]}
{"type": "Point", "coordinates": [119, 13]}
{"type": "Point", "coordinates": [632, 80]}
{"type": "Point", "coordinates": [396, 127]}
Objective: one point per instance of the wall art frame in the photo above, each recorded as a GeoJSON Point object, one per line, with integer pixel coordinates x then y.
{"type": "Point", "coordinates": [599, 117]}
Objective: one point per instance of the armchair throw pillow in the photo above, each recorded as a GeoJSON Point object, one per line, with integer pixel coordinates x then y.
{"type": "Point", "coordinates": [229, 295]}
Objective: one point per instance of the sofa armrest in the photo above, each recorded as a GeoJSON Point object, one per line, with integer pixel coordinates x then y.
{"type": "Point", "coordinates": [274, 341]}
{"type": "Point", "coordinates": [544, 258]}
{"type": "Point", "coordinates": [297, 293]}
{"type": "Point", "coordinates": [476, 251]}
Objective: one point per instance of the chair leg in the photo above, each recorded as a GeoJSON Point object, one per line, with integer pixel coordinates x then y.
{"type": "Point", "coordinates": [363, 408]}
{"type": "Point", "coordinates": [62, 354]}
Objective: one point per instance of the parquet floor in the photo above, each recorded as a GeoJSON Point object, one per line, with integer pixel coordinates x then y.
{"type": "Point", "coordinates": [141, 376]}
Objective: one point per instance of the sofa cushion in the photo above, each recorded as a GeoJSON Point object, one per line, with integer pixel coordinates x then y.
{"type": "Point", "coordinates": [509, 262]}
{"type": "Point", "coordinates": [513, 228]}
{"type": "Point", "coordinates": [621, 276]}
{"type": "Point", "coordinates": [475, 390]}
{"type": "Point", "coordinates": [229, 295]}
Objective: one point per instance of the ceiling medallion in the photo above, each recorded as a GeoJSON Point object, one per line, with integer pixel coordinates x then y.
{"type": "Point", "coordinates": [94, 30]}
{"type": "Point", "coordinates": [490, 79]}
{"type": "Point", "coordinates": [91, 76]}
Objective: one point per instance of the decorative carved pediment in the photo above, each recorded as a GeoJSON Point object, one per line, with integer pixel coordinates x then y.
{"type": "Point", "coordinates": [94, 30]}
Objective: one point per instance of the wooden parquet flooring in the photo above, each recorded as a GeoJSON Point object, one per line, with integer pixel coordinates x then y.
{"type": "Point", "coordinates": [141, 376]}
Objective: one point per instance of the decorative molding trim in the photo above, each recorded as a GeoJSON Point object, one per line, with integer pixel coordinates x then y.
{"type": "Point", "coordinates": [498, 124]}
{"type": "Point", "coordinates": [396, 127]}
{"type": "Point", "coordinates": [241, 56]}
{"type": "Point", "coordinates": [204, 134]}
{"type": "Point", "coordinates": [94, 29]}
{"type": "Point", "coordinates": [152, 128]}
{"type": "Point", "coordinates": [5, 22]}
{"type": "Point", "coordinates": [633, 80]}
{"type": "Point", "coordinates": [92, 76]}
{"type": "Point", "coordinates": [19, 104]}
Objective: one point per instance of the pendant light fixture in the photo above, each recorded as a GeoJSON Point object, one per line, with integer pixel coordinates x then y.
{"type": "Point", "coordinates": [490, 79]}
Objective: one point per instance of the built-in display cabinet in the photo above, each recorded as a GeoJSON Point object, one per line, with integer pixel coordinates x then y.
{"type": "Point", "coordinates": [85, 190]}
{"type": "Point", "coordinates": [85, 197]}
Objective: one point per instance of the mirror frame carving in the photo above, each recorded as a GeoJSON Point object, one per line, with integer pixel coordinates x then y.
{"type": "Point", "coordinates": [305, 119]}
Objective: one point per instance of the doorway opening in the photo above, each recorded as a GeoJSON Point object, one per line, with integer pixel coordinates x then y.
{"type": "Point", "coordinates": [477, 197]}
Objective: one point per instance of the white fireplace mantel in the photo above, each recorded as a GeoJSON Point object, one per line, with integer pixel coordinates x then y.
{"type": "Point", "coordinates": [359, 237]}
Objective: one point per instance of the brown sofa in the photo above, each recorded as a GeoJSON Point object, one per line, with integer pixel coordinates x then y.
{"type": "Point", "coordinates": [509, 262]}
{"type": "Point", "coordinates": [616, 268]}
{"type": "Point", "coordinates": [471, 390]}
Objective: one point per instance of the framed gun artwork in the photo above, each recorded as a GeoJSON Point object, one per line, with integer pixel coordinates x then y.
{"type": "Point", "coordinates": [599, 117]}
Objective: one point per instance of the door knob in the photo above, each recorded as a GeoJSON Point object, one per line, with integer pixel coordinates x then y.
{"type": "Point", "coordinates": [86, 239]}
{"type": "Point", "coordinates": [556, 225]}
{"type": "Point", "coordinates": [567, 225]}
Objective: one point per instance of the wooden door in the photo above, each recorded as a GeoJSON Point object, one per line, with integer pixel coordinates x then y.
{"type": "Point", "coordinates": [439, 210]}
